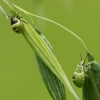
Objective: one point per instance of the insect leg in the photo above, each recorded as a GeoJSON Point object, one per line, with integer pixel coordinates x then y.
{"type": "Point", "coordinates": [19, 16]}
{"type": "Point", "coordinates": [89, 64]}
{"type": "Point", "coordinates": [91, 68]}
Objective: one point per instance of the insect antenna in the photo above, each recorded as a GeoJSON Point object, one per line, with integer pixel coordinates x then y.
{"type": "Point", "coordinates": [85, 59]}
{"type": "Point", "coordinates": [80, 55]}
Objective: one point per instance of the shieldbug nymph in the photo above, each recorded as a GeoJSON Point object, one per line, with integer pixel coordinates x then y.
{"type": "Point", "coordinates": [80, 73]}
{"type": "Point", "coordinates": [17, 24]}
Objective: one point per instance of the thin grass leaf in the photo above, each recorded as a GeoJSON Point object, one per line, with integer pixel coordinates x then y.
{"type": "Point", "coordinates": [46, 56]}
{"type": "Point", "coordinates": [53, 84]}
{"type": "Point", "coordinates": [91, 87]}
{"type": "Point", "coordinates": [3, 12]}
{"type": "Point", "coordinates": [43, 51]}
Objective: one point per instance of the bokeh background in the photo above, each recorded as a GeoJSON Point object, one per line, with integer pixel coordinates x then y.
{"type": "Point", "coordinates": [19, 75]}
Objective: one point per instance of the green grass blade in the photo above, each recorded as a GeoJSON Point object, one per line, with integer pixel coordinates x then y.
{"type": "Point", "coordinates": [46, 55]}
{"type": "Point", "coordinates": [3, 12]}
{"type": "Point", "coordinates": [91, 88]}
{"type": "Point", "coordinates": [53, 84]}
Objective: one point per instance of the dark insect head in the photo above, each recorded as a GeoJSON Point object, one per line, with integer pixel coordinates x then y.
{"type": "Point", "coordinates": [14, 20]}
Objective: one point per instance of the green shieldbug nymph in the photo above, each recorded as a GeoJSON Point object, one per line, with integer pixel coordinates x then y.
{"type": "Point", "coordinates": [80, 73]}
{"type": "Point", "coordinates": [17, 24]}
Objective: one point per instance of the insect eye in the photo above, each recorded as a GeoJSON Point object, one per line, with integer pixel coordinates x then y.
{"type": "Point", "coordinates": [80, 64]}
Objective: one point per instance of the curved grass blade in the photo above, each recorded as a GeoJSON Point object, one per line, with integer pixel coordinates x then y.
{"type": "Point", "coordinates": [47, 19]}
{"type": "Point", "coordinates": [53, 84]}
{"type": "Point", "coordinates": [46, 55]}
{"type": "Point", "coordinates": [91, 87]}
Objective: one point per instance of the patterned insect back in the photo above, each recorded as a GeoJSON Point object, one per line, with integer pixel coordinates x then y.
{"type": "Point", "coordinates": [17, 24]}
{"type": "Point", "coordinates": [79, 74]}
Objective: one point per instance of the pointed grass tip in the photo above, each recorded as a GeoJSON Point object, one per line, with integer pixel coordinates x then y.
{"type": "Point", "coordinates": [3, 12]}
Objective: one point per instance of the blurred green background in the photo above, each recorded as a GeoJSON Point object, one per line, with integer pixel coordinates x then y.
{"type": "Point", "coordinates": [19, 75]}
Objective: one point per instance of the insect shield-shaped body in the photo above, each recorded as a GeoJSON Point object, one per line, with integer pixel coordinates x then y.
{"type": "Point", "coordinates": [79, 74]}
{"type": "Point", "coordinates": [17, 24]}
